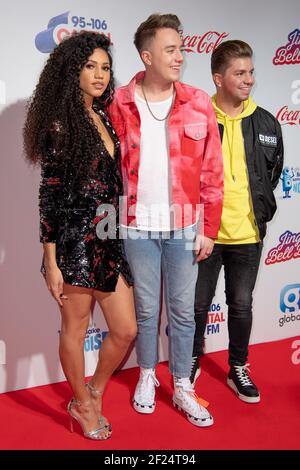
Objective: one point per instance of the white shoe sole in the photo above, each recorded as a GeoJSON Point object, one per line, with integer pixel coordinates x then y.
{"type": "Point", "coordinates": [242, 397]}
{"type": "Point", "coordinates": [144, 409]}
{"type": "Point", "coordinates": [202, 423]}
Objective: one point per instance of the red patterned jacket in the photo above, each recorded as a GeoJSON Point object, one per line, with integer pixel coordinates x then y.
{"type": "Point", "coordinates": [195, 155]}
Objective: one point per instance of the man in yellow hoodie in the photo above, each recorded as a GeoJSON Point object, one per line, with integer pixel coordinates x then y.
{"type": "Point", "coordinates": [253, 158]}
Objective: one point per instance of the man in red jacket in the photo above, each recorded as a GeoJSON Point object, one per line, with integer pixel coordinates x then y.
{"type": "Point", "coordinates": [172, 173]}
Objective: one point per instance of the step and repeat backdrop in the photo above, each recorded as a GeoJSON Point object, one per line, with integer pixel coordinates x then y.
{"type": "Point", "coordinates": [29, 319]}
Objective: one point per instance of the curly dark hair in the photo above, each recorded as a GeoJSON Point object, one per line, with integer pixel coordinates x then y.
{"type": "Point", "coordinates": [56, 115]}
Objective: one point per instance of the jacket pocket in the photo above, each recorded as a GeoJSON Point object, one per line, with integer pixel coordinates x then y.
{"type": "Point", "coordinates": [193, 140]}
{"type": "Point", "coordinates": [195, 131]}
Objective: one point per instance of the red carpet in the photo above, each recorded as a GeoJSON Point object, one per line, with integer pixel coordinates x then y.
{"type": "Point", "coordinates": [36, 418]}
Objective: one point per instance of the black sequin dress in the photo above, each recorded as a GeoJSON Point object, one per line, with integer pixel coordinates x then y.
{"type": "Point", "coordinates": [89, 252]}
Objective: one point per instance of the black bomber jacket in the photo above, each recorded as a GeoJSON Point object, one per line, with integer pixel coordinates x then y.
{"type": "Point", "coordinates": [264, 157]}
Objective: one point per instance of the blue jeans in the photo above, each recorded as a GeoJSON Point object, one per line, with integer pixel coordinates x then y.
{"type": "Point", "coordinates": [241, 264]}
{"type": "Point", "coordinates": [168, 255]}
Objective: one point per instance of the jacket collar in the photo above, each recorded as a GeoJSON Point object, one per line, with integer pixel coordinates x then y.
{"type": "Point", "coordinates": [128, 97]}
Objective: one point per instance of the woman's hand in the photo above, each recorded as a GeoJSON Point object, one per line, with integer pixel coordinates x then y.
{"type": "Point", "coordinates": [55, 283]}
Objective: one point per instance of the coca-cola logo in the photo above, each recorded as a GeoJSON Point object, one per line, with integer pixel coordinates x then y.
{"type": "Point", "coordinates": [288, 116]}
{"type": "Point", "coordinates": [201, 44]}
{"type": "Point", "coordinates": [290, 53]}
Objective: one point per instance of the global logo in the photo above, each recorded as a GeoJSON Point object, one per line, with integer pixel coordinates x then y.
{"type": "Point", "coordinates": [290, 298]}
{"type": "Point", "coordinates": [290, 304]}
{"type": "Point", "coordinates": [64, 25]}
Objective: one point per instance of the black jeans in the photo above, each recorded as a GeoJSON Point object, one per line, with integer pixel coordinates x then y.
{"type": "Point", "coordinates": [241, 264]}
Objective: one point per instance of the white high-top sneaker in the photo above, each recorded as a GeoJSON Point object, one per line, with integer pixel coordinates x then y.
{"type": "Point", "coordinates": [186, 400]}
{"type": "Point", "coordinates": [144, 395]}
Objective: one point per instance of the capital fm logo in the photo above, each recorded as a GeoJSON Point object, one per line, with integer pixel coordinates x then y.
{"type": "Point", "coordinates": [215, 318]}
{"type": "Point", "coordinates": [289, 54]}
{"type": "Point", "coordinates": [289, 304]}
{"type": "Point", "coordinates": [64, 25]}
{"type": "Point", "coordinates": [287, 249]}
{"type": "Point", "coordinates": [203, 43]}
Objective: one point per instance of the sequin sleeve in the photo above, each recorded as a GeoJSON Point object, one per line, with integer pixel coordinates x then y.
{"type": "Point", "coordinates": [50, 194]}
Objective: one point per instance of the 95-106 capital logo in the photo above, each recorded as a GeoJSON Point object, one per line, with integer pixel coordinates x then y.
{"type": "Point", "coordinates": [289, 304]}
{"type": "Point", "coordinates": [64, 25]}
{"type": "Point", "coordinates": [215, 318]}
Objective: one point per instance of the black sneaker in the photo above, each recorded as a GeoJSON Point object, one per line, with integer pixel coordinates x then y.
{"type": "Point", "coordinates": [195, 370]}
{"type": "Point", "coordinates": [239, 380]}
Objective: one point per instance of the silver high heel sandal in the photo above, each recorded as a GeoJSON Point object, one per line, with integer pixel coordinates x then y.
{"type": "Point", "coordinates": [98, 393]}
{"type": "Point", "coordinates": [96, 434]}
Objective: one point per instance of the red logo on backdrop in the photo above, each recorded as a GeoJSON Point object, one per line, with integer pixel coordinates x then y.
{"type": "Point", "coordinates": [288, 116]}
{"type": "Point", "coordinates": [290, 53]}
{"type": "Point", "coordinates": [202, 44]}
{"type": "Point", "coordinates": [288, 248]}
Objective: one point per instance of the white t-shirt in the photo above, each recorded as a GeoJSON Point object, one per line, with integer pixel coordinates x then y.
{"type": "Point", "coordinates": [153, 192]}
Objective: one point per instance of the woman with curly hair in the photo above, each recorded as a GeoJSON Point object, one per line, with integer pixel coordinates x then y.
{"type": "Point", "coordinates": [68, 132]}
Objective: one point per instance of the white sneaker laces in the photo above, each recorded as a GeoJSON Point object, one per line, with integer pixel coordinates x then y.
{"type": "Point", "coordinates": [190, 402]}
{"type": "Point", "coordinates": [242, 373]}
{"type": "Point", "coordinates": [148, 382]}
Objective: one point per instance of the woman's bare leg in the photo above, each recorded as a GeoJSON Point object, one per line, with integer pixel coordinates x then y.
{"type": "Point", "coordinates": [119, 312]}
{"type": "Point", "coordinates": [75, 319]}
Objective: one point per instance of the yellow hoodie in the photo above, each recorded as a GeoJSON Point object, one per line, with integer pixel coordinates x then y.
{"type": "Point", "coordinates": [237, 221]}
